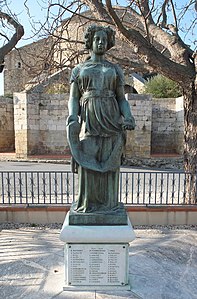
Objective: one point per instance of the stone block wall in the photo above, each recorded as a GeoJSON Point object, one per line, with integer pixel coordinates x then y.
{"type": "Point", "coordinates": [47, 123]}
{"type": "Point", "coordinates": [6, 125]}
{"type": "Point", "coordinates": [139, 141]}
{"type": "Point", "coordinates": [40, 125]}
{"type": "Point", "coordinates": [43, 129]}
{"type": "Point", "coordinates": [167, 126]}
{"type": "Point", "coordinates": [24, 64]}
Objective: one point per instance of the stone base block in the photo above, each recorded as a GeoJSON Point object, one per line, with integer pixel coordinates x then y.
{"type": "Point", "coordinates": [96, 233]}
{"type": "Point", "coordinates": [116, 216]}
{"type": "Point", "coordinates": [96, 257]}
{"type": "Point", "coordinates": [97, 288]}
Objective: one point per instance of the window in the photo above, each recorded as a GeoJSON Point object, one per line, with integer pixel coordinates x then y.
{"type": "Point", "coordinates": [19, 65]}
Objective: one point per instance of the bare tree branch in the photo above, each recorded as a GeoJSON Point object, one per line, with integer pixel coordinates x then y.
{"type": "Point", "coordinates": [147, 51]}
{"type": "Point", "coordinates": [98, 9]}
{"type": "Point", "coordinates": [15, 38]}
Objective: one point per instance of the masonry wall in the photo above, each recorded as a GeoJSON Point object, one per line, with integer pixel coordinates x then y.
{"type": "Point", "coordinates": [139, 141]}
{"type": "Point", "coordinates": [47, 124]}
{"type": "Point", "coordinates": [165, 215]}
{"type": "Point", "coordinates": [24, 64]}
{"type": "Point", "coordinates": [167, 126]}
{"type": "Point", "coordinates": [40, 123]}
{"type": "Point", "coordinates": [6, 125]}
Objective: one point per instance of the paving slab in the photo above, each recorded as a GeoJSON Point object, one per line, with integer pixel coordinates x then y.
{"type": "Point", "coordinates": [162, 265]}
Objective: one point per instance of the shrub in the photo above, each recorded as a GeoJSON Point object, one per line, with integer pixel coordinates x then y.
{"type": "Point", "coordinates": [162, 87]}
{"type": "Point", "coordinates": [8, 96]}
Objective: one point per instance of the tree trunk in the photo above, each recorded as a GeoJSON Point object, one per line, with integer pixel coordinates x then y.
{"type": "Point", "coordinates": [190, 138]}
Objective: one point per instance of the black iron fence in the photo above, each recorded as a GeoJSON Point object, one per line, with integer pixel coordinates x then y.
{"type": "Point", "coordinates": [60, 188]}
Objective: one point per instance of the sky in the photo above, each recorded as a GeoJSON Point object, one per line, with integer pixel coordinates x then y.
{"type": "Point", "coordinates": [38, 12]}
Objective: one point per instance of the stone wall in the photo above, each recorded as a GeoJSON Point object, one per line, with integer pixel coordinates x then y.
{"type": "Point", "coordinates": [6, 125]}
{"type": "Point", "coordinates": [24, 64]}
{"type": "Point", "coordinates": [139, 141]}
{"type": "Point", "coordinates": [138, 83]}
{"type": "Point", "coordinates": [43, 129]}
{"type": "Point", "coordinates": [167, 126]}
{"type": "Point", "coordinates": [40, 125]}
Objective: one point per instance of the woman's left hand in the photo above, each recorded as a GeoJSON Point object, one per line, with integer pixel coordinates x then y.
{"type": "Point", "coordinates": [129, 124]}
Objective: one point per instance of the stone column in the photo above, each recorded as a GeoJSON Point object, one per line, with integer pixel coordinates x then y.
{"type": "Point", "coordinates": [20, 123]}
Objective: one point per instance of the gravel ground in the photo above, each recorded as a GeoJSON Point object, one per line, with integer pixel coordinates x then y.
{"type": "Point", "coordinates": [164, 228]}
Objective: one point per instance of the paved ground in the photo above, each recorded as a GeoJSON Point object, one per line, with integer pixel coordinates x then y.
{"type": "Point", "coordinates": [46, 166]}
{"type": "Point", "coordinates": [162, 265]}
{"type": "Point", "coordinates": [58, 165]}
{"type": "Point", "coordinates": [32, 166]}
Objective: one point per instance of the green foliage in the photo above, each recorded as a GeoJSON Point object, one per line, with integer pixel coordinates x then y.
{"type": "Point", "coordinates": [8, 96]}
{"type": "Point", "coordinates": [34, 225]}
{"type": "Point", "coordinates": [162, 87]}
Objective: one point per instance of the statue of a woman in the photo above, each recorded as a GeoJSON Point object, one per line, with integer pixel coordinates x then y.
{"type": "Point", "coordinates": [99, 114]}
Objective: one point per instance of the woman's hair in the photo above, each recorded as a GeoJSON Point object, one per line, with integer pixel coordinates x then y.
{"type": "Point", "coordinates": [90, 31]}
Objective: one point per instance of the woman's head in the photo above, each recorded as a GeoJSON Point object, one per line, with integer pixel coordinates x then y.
{"type": "Point", "coordinates": [90, 33]}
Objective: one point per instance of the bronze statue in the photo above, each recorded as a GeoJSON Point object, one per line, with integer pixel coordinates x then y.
{"type": "Point", "coordinates": [99, 114]}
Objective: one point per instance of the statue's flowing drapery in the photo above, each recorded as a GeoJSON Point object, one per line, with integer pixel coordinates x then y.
{"type": "Point", "coordinates": [97, 142]}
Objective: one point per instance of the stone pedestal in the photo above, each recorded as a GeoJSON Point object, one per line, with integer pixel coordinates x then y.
{"type": "Point", "coordinates": [96, 257]}
{"type": "Point", "coordinates": [116, 216]}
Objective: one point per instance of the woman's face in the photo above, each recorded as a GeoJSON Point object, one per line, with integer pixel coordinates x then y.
{"type": "Point", "coordinates": [99, 44]}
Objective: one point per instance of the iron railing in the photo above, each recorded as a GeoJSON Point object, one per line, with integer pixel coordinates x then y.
{"type": "Point", "coordinates": [60, 188]}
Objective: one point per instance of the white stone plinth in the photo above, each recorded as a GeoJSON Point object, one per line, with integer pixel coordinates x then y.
{"type": "Point", "coordinates": [96, 234]}
{"type": "Point", "coordinates": [96, 257]}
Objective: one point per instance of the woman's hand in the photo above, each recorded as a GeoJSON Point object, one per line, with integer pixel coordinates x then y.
{"type": "Point", "coordinates": [71, 118]}
{"type": "Point", "coordinates": [129, 124]}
